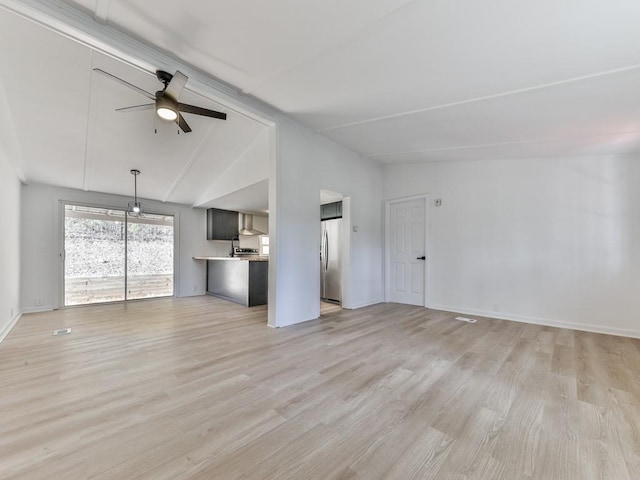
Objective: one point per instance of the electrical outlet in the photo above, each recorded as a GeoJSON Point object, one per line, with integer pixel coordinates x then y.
{"type": "Point", "coordinates": [438, 202]}
{"type": "Point", "coordinates": [39, 302]}
{"type": "Point", "coordinates": [195, 288]}
{"type": "Point", "coordinates": [496, 307]}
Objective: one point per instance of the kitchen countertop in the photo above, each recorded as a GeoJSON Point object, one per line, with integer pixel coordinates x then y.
{"type": "Point", "coordinates": [249, 258]}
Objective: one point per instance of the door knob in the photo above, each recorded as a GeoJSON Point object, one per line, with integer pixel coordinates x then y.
{"type": "Point", "coordinates": [421, 258]}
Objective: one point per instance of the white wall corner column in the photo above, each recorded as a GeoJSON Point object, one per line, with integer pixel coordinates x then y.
{"type": "Point", "coordinates": [307, 163]}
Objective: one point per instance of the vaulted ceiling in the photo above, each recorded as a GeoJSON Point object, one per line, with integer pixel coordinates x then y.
{"type": "Point", "coordinates": [396, 80]}
{"type": "Point", "coordinates": [61, 116]}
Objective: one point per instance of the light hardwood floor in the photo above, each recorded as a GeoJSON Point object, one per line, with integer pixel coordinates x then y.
{"type": "Point", "coordinates": [198, 388]}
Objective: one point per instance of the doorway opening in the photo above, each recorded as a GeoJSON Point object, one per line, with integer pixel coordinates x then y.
{"type": "Point", "coordinates": [110, 256]}
{"type": "Point", "coordinates": [331, 251]}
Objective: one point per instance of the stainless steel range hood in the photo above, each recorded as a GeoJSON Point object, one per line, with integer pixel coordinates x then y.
{"type": "Point", "coordinates": [245, 225]}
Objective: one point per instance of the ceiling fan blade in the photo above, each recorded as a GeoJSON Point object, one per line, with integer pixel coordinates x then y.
{"type": "Point", "coordinates": [183, 107]}
{"type": "Point", "coordinates": [182, 123]}
{"type": "Point", "coordinates": [125, 83]}
{"type": "Point", "coordinates": [176, 85]}
{"type": "Point", "coordinates": [137, 108]}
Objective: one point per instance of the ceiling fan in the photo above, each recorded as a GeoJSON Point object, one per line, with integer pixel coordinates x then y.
{"type": "Point", "coordinates": [166, 101]}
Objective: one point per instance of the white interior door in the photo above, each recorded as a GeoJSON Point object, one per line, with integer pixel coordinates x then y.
{"type": "Point", "coordinates": [407, 255]}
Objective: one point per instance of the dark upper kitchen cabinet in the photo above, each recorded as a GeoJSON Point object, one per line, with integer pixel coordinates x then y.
{"type": "Point", "coordinates": [221, 224]}
{"type": "Point", "coordinates": [331, 210]}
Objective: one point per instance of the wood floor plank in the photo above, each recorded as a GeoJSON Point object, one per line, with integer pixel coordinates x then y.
{"type": "Point", "coordinates": [199, 388]}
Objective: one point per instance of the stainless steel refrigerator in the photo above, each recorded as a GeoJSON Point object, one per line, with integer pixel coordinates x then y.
{"type": "Point", "coordinates": [331, 260]}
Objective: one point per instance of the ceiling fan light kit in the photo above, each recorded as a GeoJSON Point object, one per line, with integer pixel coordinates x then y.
{"type": "Point", "coordinates": [166, 100]}
{"type": "Point", "coordinates": [165, 108]}
{"type": "Point", "coordinates": [166, 114]}
{"type": "Point", "coordinates": [134, 207]}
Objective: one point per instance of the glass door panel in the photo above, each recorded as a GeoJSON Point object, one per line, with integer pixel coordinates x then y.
{"type": "Point", "coordinates": [94, 245]}
{"type": "Point", "coordinates": [149, 256]}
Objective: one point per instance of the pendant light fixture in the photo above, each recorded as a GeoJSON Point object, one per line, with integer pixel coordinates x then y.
{"type": "Point", "coordinates": [135, 207]}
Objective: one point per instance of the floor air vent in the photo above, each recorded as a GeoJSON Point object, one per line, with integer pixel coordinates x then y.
{"type": "Point", "coordinates": [62, 331]}
{"type": "Point", "coordinates": [468, 320]}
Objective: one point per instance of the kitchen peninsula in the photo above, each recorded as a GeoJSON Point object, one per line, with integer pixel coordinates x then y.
{"type": "Point", "coordinates": [240, 279]}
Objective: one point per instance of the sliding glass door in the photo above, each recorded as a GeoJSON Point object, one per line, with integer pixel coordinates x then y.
{"type": "Point", "coordinates": [110, 256]}
{"type": "Point", "coordinates": [149, 256]}
{"type": "Point", "coordinates": [94, 255]}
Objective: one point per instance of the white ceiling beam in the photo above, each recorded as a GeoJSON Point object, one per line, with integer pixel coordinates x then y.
{"type": "Point", "coordinates": [499, 144]}
{"type": "Point", "coordinates": [92, 115]}
{"type": "Point", "coordinates": [481, 99]}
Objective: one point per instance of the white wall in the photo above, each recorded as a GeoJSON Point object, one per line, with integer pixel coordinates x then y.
{"type": "Point", "coordinates": [9, 248]}
{"type": "Point", "coordinates": [307, 163]}
{"type": "Point", "coordinates": [551, 241]}
{"type": "Point", "coordinates": [251, 167]}
{"type": "Point", "coordinates": [41, 233]}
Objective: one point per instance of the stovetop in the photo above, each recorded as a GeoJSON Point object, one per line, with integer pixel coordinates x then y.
{"type": "Point", "coordinates": [237, 251]}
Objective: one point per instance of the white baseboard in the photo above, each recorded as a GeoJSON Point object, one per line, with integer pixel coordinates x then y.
{"type": "Point", "coordinates": [43, 308]}
{"type": "Point", "coordinates": [9, 326]}
{"type": "Point", "coordinates": [366, 304]}
{"type": "Point", "coordinates": [294, 323]}
{"type": "Point", "coordinates": [585, 327]}
{"type": "Point", "coordinates": [199, 293]}
{"type": "Point", "coordinates": [361, 305]}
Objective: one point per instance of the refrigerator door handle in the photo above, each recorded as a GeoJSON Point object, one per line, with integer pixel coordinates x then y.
{"type": "Point", "coordinates": [326, 250]}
